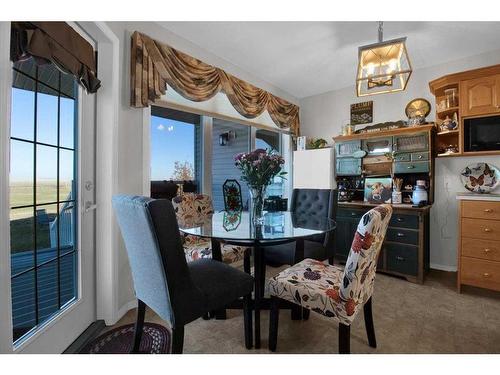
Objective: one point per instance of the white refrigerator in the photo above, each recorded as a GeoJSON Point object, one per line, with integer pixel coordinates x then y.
{"type": "Point", "coordinates": [314, 169]}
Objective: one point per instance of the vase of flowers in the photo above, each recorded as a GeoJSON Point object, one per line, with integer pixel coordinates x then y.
{"type": "Point", "coordinates": [258, 169]}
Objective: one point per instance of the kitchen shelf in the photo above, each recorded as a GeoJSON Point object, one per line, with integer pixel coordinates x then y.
{"type": "Point", "coordinates": [448, 154]}
{"type": "Point", "coordinates": [445, 132]}
{"type": "Point", "coordinates": [447, 111]}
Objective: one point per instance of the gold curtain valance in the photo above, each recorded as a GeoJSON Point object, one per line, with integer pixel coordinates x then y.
{"type": "Point", "coordinates": [154, 65]}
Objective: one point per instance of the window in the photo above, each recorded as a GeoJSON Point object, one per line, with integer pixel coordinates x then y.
{"type": "Point", "coordinates": [270, 140]}
{"type": "Point", "coordinates": [42, 194]}
{"type": "Point", "coordinates": [175, 145]}
{"type": "Point", "coordinates": [177, 153]}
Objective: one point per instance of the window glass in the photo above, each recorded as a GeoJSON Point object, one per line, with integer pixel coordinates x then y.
{"type": "Point", "coordinates": [42, 194]}
{"type": "Point", "coordinates": [172, 149]}
{"type": "Point", "coordinates": [270, 140]}
{"type": "Point", "coordinates": [223, 168]}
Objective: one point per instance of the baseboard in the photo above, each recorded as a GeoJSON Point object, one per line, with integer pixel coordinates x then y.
{"type": "Point", "coordinates": [88, 335]}
{"type": "Point", "coordinates": [124, 309]}
{"type": "Point", "coordinates": [440, 267]}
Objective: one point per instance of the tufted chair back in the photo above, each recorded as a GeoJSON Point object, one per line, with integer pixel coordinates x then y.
{"type": "Point", "coordinates": [192, 206]}
{"type": "Point", "coordinates": [359, 272]}
{"type": "Point", "coordinates": [316, 202]}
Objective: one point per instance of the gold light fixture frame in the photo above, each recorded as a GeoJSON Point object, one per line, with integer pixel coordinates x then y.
{"type": "Point", "coordinates": [380, 54]}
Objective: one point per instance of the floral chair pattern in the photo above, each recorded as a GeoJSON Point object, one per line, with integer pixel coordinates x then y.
{"type": "Point", "coordinates": [191, 207]}
{"type": "Point", "coordinates": [332, 291]}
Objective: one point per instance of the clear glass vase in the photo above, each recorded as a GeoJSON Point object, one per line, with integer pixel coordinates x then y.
{"type": "Point", "coordinates": [257, 194]}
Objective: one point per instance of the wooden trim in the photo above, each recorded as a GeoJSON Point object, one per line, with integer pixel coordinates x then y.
{"type": "Point", "coordinates": [459, 252]}
{"type": "Point", "coordinates": [384, 133]}
{"type": "Point", "coordinates": [180, 107]}
{"type": "Point", "coordinates": [454, 78]}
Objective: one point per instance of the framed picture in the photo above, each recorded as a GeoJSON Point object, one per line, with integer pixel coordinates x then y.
{"type": "Point", "coordinates": [362, 113]}
{"type": "Point", "coordinates": [378, 190]}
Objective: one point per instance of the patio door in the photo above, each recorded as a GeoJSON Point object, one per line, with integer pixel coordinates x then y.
{"type": "Point", "coordinates": [52, 211]}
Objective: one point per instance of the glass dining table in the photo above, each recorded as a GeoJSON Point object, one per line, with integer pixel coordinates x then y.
{"type": "Point", "coordinates": [237, 228]}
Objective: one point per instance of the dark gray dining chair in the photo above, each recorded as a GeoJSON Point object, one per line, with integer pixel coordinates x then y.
{"type": "Point", "coordinates": [176, 291]}
{"type": "Point", "coordinates": [315, 202]}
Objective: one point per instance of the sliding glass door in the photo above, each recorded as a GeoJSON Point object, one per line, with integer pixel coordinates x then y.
{"type": "Point", "coordinates": [228, 140]}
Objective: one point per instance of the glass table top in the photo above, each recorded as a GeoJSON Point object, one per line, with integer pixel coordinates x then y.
{"type": "Point", "coordinates": [239, 226]}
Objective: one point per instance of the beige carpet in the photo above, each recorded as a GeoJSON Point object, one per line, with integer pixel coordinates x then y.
{"type": "Point", "coordinates": [408, 318]}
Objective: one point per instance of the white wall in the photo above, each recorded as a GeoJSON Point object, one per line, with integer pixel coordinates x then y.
{"type": "Point", "coordinates": [130, 129]}
{"type": "Point", "coordinates": [323, 115]}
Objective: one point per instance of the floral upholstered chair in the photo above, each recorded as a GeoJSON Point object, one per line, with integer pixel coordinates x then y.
{"type": "Point", "coordinates": [332, 291]}
{"type": "Point", "coordinates": [193, 207]}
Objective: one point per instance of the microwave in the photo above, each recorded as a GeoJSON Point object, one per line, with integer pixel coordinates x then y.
{"type": "Point", "coordinates": [482, 134]}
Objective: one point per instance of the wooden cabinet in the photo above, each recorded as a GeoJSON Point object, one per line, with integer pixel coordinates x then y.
{"type": "Point", "coordinates": [480, 96]}
{"type": "Point", "coordinates": [479, 244]}
{"type": "Point", "coordinates": [405, 251]}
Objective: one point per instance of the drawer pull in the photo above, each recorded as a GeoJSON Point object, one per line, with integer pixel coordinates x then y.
{"type": "Point", "coordinates": [353, 213]}
{"type": "Point", "coordinates": [400, 258]}
{"type": "Point", "coordinates": [487, 229]}
{"type": "Point", "coordinates": [399, 234]}
{"type": "Point", "coordinates": [420, 156]}
{"type": "Point", "coordinates": [400, 219]}
{"type": "Point", "coordinates": [486, 274]}
{"type": "Point", "coordinates": [486, 251]}
{"type": "Point", "coordinates": [488, 210]}
{"type": "Point", "coordinates": [410, 167]}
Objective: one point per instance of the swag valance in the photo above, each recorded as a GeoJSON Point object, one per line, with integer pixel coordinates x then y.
{"type": "Point", "coordinates": [57, 43]}
{"type": "Point", "coordinates": [154, 65]}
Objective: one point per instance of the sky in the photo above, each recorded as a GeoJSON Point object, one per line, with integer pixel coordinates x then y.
{"type": "Point", "coordinates": [170, 141]}
{"type": "Point", "coordinates": [22, 126]}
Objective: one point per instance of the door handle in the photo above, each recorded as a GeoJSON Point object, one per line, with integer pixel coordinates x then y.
{"type": "Point", "coordinates": [89, 206]}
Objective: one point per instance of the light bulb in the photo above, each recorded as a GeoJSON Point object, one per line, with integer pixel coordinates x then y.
{"type": "Point", "coordinates": [392, 65]}
{"type": "Point", "coordinates": [370, 68]}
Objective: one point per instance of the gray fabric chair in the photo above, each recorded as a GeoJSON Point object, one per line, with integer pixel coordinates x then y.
{"type": "Point", "coordinates": [175, 290]}
{"type": "Point", "coordinates": [316, 202]}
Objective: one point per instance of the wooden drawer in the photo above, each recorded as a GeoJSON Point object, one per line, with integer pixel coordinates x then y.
{"type": "Point", "coordinates": [402, 235]}
{"type": "Point", "coordinates": [402, 157]}
{"type": "Point", "coordinates": [481, 273]}
{"type": "Point", "coordinates": [480, 228]}
{"type": "Point", "coordinates": [350, 213]}
{"type": "Point", "coordinates": [483, 249]}
{"type": "Point", "coordinates": [420, 156]}
{"type": "Point", "coordinates": [413, 167]}
{"type": "Point", "coordinates": [404, 221]}
{"type": "Point", "coordinates": [481, 210]}
{"type": "Point", "coordinates": [401, 258]}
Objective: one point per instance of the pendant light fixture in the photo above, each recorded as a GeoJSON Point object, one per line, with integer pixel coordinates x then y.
{"type": "Point", "coordinates": [383, 67]}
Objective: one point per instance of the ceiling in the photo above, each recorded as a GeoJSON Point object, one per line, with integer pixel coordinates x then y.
{"type": "Point", "coordinates": [310, 58]}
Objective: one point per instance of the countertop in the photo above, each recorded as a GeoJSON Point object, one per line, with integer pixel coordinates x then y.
{"type": "Point", "coordinates": [403, 206]}
{"type": "Point", "coordinates": [478, 197]}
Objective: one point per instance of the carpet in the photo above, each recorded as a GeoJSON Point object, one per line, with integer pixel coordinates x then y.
{"type": "Point", "coordinates": [155, 340]}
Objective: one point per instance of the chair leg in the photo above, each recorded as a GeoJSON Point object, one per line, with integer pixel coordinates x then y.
{"type": "Point", "coordinates": [273, 323]}
{"type": "Point", "coordinates": [177, 340]}
{"type": "Point", "coordinates": [247, 321]}
{"type": "Point", "coordinates": [206, 316]}
{"type": "Point", "coordinates": [296, 312]}
{"type": "Point", "coordinates": [139, 325]}
{"type": "Point", "coordinates": [344, 339]}
{"type": "Point", "coordinates": [330, 261]}
{"type": "Point", "coordinates": [370, 329]}
{"type": "Point", "coordinates": [305, 313]}
{"type": "Point", "coordinates": [246, 262]}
